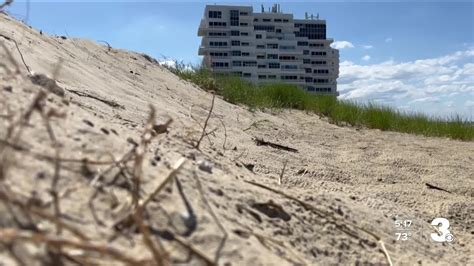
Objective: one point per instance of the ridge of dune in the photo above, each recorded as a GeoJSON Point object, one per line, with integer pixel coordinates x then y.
{"type": "Point", "coordinates": [343, 189]}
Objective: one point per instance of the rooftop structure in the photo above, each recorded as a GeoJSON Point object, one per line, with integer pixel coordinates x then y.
{"type": "Point", "coordinates": [269, 46]}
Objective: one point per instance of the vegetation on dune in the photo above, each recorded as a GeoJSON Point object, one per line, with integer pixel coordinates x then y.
{"type": "Point", "coordinates": [341, 112]}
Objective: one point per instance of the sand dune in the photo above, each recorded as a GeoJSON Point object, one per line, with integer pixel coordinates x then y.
{"type": "Point", "coordinates": [337, 201]}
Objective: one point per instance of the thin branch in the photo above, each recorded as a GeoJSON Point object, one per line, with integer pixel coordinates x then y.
{"type": "Point", "coordinates": [38, 212]}
{"type": "Point", "coordinates": [205, 123]}
{"type": "Point", "coordinates": [225, 136]}
{"type": "Point", "coordinates": [280, 179]}
{"type": "Point", "coordinates": [18, 48]}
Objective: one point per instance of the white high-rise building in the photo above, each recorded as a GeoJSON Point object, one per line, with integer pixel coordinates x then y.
{"type": "Point", "coordinates": [269, 46]}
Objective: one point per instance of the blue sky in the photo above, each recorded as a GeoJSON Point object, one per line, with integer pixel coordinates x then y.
{"type": "Point", "coordinates": [416, 56]}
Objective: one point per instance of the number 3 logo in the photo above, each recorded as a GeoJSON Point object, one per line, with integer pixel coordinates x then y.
{"type": "Point", "coordinates": [443, 234]}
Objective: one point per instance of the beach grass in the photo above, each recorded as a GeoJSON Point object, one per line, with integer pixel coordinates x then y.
{"type": "Point", "coordinates": [341, 112]}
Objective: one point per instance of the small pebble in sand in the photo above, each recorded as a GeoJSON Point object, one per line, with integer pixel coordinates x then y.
{"type": "Point", "coordinates": [205, 165]}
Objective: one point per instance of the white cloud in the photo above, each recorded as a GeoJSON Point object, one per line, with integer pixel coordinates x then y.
{"type": "Point", "coordinates": [435, 85]}
{"type": "Point", "coordinates": [367, 47]}
{"type": "Point", "coordinates": [389, 39]}
{"type": "Point", "coordinates": [342, 45]}
{"type": "Point", "coordinates": [366, 57]}
{"type": "Point", "coordinates": [469, 103]}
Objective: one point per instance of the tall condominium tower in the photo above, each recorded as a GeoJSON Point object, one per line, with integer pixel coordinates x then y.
{"type": "Point", "coordinates": [269, 46]}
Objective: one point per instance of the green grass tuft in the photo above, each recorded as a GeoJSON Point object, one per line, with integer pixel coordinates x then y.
{"type": "Point", "coordinates": [281, 95]}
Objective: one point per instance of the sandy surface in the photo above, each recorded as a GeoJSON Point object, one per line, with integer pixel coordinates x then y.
{"type": "Point", "coordinates": [352, 184]}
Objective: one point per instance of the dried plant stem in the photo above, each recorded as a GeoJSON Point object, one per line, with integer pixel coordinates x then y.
{"type": "Point", "coordinates": [205, 123]}
{"type": "Point", "coordinates": [4, 196]}
{"type": "Point", "coordinates": [159, 254]}
{"type": "Point", "coordinates": [18, 48]}
{"type": "Point", "coordinates": [9, 235]}
{"type": "Point", "coordinates": [177, 166]}
{"type": "Point", "coordinates": [385, 252]}
{"type": "Point", "coordinates": [225, 136]}
{"type": "Point", "coordinates": [280, 179]}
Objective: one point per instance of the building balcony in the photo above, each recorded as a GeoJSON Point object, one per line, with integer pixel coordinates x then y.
{"type": "Point", "coordinates": [202, 28]}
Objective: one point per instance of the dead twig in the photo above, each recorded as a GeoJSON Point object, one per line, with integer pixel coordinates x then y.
{"type": "Point", "coordinates": [18, 48]}
{"type": "Point", "coordinates": [261, 142]}
{"type": "Point", "coordinates": [225, 136]}
{"type": "Point", "coordinates": [282, 173]}
{"type": "Point", "coordinates": [430, 186]}
{"type": "Point", "coordinates": [25, 206]}
{"type": "Point", "coordinates": [205, 123]}
{"type": "Point", "coordinates": [110, 103]}
{"type": "Point", "coordinates": [127, 221]}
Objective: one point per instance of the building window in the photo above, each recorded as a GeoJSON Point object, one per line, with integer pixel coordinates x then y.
{"type": "Point", "coordinates": [244, 13]}
{"type": "Point", "coordinates": [287, 57]}
{"type": "Point", "coordinates": [306, 52]}
{"type": "Point", "coordinates": [249, 63]}
{"type": "Point", "coordinates": [291, 67]}
{"type": "Point", "coordinates": [272, 46]}
{"type": "Point", "coordinates": [244, 33]}
{"type": "Point", "coordinates": [215, 14]}
{"type": "Point", "coordinates": [321, 81]}
{"type": "Point", "coordinates": [260, 46]}
{"type": "Point", "coordinates": [255, 20]}
{"type": "Point", "coordinates": [321, 71]}
{"type": "Point", "coordinates": [318, 53]}
{"type": "Point", "coordinates": [307, 70]}
{"type": "Point", "coordinates": [260, 57]}
{"type": "Point", "coordinates": [287, 47]}
{"type": "Point", "coordinates": [272, 56]}
{"type": "Point", "coordinates": [262, 66]}
{"type": "Point", "coordinates": [289, 77]}
{"type": "Point", "coordinates": [235, 43]}
{"type": "Point", "coordinates": [217, 24]}
{"type": "Point", "coordinates": [236, 63]}
{"type": "Point", "coordinates": [318, 62]}
{"type": "Point", "coordinates": [286, 20]}
{"type": "Point", "coordinates": [278, 30]}
{"type": "Point", "coordinates": [234, 17]}
{"type": "Point", "coordinates": [306, 61]}
{"type": "Point", "coordinates": [247, 75]}
{"type": "Point", "coordinates": [272, 76]}
{"type": "Point", "coordinates": [220, 64]}
{"type": "Point", "coordinates": [236, 53]}
{"type": "Point", "coordinates": [217, 54]}
{"type": "Point", "coordinates": [274, 65]}
{"type": "Point", "coordinates": [212, 34]}
{"type": "Point", "coordinates": [302, 43]}
{"type": "Point", "coordinates": [217, 44]}
{"type": "Point", "coordinates": [245, 54]}
{"type": "Point", "coordinates": [244, 24]}
{"type": "Point", "coordinates": [258, 36]}
{"type": "Point", "coordinates": [310, 88]}
{"type": "Point", "coordinates": [264, 28]}
{"type": "Point", "coordinates": [245, 44]}
{"type": "Point", "coordinates": [262, 77]}
{"type": "Point", "coordinates": [277, 20]}
{"type": "Point", "coordinates": [267, 20]}
{"type": "Point", "coordinates": [316, 45]}
{"type": "Point", "coordinates": [235, 33]}
{"type": "Point", "coordinates": [308, 79]}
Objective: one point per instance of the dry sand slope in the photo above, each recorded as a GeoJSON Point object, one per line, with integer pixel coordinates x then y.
{"type": "Point", "coordinates": [340, 193]}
